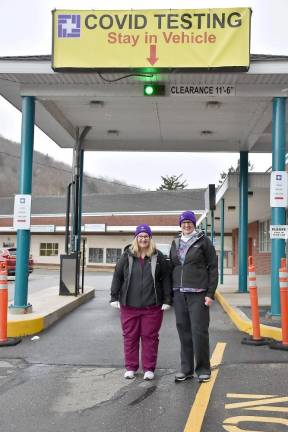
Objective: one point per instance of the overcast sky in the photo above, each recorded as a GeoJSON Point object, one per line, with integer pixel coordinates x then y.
{"type": "Point", "coordinates": [26, 29]}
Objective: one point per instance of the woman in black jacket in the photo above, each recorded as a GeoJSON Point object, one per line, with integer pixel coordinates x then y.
{"type": "Point", "coordinates": [141, 288]}
{"type": "Point", "coordinates": [195, 278]}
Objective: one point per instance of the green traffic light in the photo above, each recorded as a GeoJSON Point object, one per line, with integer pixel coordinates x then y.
{"type": "Point", "coordinates": [148, 90]}
{"type": "Point", "coordinates": [154, 89]}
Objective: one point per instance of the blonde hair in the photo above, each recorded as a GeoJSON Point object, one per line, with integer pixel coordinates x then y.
{"type": "Point", "coordinates": [149, 251]}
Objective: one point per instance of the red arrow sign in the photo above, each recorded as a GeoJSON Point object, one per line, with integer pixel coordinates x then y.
{"type": "Point", "coordinates": [152, 59]}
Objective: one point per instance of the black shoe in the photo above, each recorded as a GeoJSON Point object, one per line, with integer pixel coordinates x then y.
{"type": "Point", "coordinates": [204, 378]}
{"type": "Point", "coordinates": [180, 376]}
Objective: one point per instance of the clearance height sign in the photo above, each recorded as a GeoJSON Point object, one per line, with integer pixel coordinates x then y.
{"type": "Point", "coordinates": [204, 38]}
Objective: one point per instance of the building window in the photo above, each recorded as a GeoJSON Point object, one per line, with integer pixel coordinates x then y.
{"type": "Point", "coordinates": [113, 255]}
{"type": "Point", "coordinates": [264, 236]}
{"type": "Point", "coordinates": [96, 255]}
{"type": "Point", "coordinates": [49, 249]}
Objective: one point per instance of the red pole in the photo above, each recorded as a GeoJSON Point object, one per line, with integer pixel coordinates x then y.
{"type": "Point", "coordinates": [3, 302]}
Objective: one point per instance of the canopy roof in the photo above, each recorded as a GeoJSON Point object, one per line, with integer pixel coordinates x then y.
{"type": "Point", "coordinates": [121, 118]}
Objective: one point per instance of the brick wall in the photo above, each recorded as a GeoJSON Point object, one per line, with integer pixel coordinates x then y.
{"type": "Point", "coordinates": [262, 260]}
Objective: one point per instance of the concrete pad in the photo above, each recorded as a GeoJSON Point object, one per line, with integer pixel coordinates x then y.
{"type": "Point", "coordinates": [47, 308]}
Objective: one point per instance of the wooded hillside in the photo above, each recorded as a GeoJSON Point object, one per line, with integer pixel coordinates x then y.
{"type": "Point", "coordinates": [49, 176]}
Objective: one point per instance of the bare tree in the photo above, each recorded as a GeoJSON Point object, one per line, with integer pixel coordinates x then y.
{"type": "Point", "coordinates": [232, 169]}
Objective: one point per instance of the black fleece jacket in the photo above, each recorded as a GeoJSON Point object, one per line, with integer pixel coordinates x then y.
{"type": "Point", "coordinates": [137, 286]}
{"type": "Point", "coordinates": [200, 268]}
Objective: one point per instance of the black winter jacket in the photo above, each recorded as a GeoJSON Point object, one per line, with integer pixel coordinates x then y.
{"type": "Point", "coordinates": [200, 268]}
{"type": "Point", "coordinates": [153, 280]}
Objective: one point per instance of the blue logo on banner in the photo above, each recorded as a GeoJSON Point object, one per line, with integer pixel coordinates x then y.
{"type": "Point", "coordinates": [68, 26]}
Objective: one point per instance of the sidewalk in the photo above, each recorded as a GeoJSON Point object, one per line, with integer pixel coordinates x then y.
{"type": "Point", "coordinates": [47, 308]}
{"type": "Point", "coordinates": [237, 306]}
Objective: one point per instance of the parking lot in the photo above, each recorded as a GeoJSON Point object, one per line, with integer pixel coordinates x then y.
{"type": "Point", "coordinates": [71, 378]}
{"type": "Point", "coordinates": [45, 278]}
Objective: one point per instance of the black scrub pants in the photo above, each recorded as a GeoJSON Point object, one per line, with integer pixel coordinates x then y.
{"type": "Point", "coordinates": [192, 322]}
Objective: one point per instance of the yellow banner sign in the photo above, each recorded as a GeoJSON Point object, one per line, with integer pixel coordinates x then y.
{"type": "Point", "coordinates": [204, 38]}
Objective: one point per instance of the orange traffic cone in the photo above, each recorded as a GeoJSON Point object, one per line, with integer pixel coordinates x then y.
{"type": "Point", "coordinates": [256, 338]}
{"type": "Point", "coordinates": [4, 340]}
{"type": "Point", "coordinates": [283, 283]}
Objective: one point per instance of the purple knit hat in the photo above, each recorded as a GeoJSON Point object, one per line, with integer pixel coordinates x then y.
{"type": "Point", "coordinates": [143, 228]}
{"type": "Point", "coordinates": [187, 215]}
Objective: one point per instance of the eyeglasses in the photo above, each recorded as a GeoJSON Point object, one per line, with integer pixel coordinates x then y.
{"type": "Point", "coordinates": [187, 223]}
{"type": "Point", "coordinates": [143, 237]}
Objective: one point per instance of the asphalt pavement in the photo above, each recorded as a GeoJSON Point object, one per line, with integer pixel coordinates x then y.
{"type": "Point", "coordinates": [71, 379]}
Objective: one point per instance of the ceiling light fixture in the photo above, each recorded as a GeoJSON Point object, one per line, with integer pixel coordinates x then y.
{"type": "Point", "coordinates": [114, 132]}
{"type": "Point", "coordinates": [96, 103]}
{"type": "Point", "coordinates": [213, 105]}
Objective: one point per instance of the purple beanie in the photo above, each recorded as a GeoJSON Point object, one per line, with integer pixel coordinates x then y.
{"type": "Point", "coordinates": [187, 215]}
{"type": "Point", "coordinates": [143, 228]}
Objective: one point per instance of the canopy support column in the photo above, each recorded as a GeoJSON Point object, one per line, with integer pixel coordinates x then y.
{"type": "Point", "coordinates": [222, 242]}
{"type": "Point", "coordinates": [77, 185]}
{"type": "Point", "coordinates": [243, 222]}
{"type": "Point", "coordinates": [278, 213]}
{"type": "Point", "coordinates": [25, 187]}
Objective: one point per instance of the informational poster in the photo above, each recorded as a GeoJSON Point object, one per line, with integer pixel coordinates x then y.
{"type": "Point", "coordinates": [278, 189]}
{"type": "Point", "coordinates": [279, 232]}
{"type": "Point", "coordinates": [22, 212]}
{"type": "Point", "coordinates": [94, 227]}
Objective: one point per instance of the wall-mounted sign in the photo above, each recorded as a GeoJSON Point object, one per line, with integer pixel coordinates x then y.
{"type": "Point", "coordinates": [203, 90]}
{"type": "Point", "coordinates": [22, 212]}
{"type": "Point", "coordinates": [42, 228]}
{"type": "Point", "coordinates": [191, 38]}
{"type": "Point", "coordinates": [278, 189]}
{"type": "Point", "coordinates": [94, 227]}
{"type": "Point", "coordinates": [279, 232]}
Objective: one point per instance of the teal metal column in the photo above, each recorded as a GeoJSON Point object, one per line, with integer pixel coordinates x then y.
{"type": "Point", "coordinates": [25, 187]}
{"type": "Point", "coordinates": [75, 194]}
{"type": "Point", "coordinates": [81, 165]}
{"type": "Point", "coordinates": [243, 222]}
{"type": "Point", "coordinates": [222, 242]}
{"type": "Point", "coordinates": [212, 226]}
{"type": "Point", "coordinates": [278, 213]}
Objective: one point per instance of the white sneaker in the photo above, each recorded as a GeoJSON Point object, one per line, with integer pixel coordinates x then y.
{"type": "Point", "coordinates": [129, 374]}
{"type": "Point", "coordinates": [149, 375]}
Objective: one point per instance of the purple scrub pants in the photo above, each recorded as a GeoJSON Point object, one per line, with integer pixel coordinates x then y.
{"type": "Point", "coordinates": [141, 324]}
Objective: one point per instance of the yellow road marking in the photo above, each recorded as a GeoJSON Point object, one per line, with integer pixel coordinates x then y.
{"type": "Point", "coordinates": [239, 419]}
{"type": "Point", "coordinates": [199, 407]}
{"type": "Point", "coordinates": [269, 408]}
{"type": "Point", "coordinates": [248, 396]}
{"type": "Point", "coordinates": [256, 403]}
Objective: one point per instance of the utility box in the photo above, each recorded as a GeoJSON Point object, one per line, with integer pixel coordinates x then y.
{"type": "Point", "coordinates": [69, 274]}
